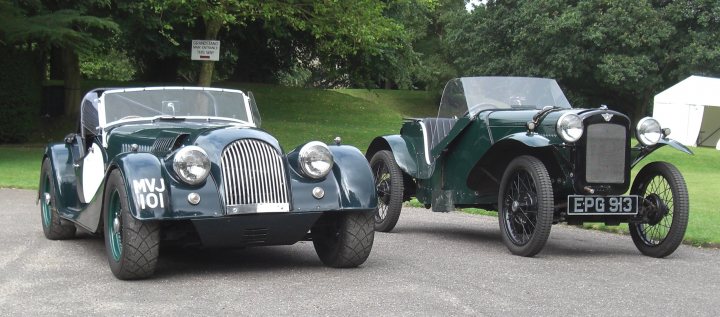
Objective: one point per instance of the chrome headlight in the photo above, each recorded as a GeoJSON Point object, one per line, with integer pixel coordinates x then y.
{"type": "Point", "coordinates": [191, 164]}
{"type": "Point", "coordinates": [570, 127]}
{"type": "Point", "coordinates": [315, 159]}
{"type": "Point", "coordinates": [648, 131]}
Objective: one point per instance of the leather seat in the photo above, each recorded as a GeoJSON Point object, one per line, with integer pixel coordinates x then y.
{"type": "Point", "coordinates": [436, 129]}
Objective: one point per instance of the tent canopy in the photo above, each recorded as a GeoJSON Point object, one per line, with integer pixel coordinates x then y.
{"type": "Point", "coordinates": [691, 109]}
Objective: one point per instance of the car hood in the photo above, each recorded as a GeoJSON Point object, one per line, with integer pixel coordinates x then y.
{"type": "Point", "coordinates": [519, 118]}
{"type": "Point", "coordinates": [503, 123]}
{"type": "Point", "coordinates": [161, 138]}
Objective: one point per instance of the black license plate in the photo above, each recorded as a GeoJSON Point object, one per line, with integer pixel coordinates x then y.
{"type": "Point", "coordinates": [602, 205]}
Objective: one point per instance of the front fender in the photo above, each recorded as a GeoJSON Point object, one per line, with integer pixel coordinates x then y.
{"type": "Point", "coordinates": [529, 139]}
{"type": "Point", "coordinates": [401, 151]}
{"type": "Point", "coordinates": [486, 174]}
{"type": "Point", "coordinates": [348, 186]}
{"type": "Point", "coordinates": [639, 152]}
{"type": "Point", "coordinates": [142, 174]}
{"type": "Point", "coordinates": [153, 194]}
{"type": "Point", "coordinates": [354, 177]}
{"type": "Point", "coordinates": [64, 176]}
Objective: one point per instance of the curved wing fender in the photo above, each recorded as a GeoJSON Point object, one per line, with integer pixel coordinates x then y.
{"type": "Point", "coordinates": [144, 183]}
{"type": "Point", "coordinates": [348, 186]}
{"type": "Point", "coordinates": [354, 178]}
{"type": "Point", "coordinates": [64, 174]}
{"type": "Point", "coordinates": [531, 140]}
{"type": "Point", "coordinates": [639, 152]}
{"type": "Point", "coordinates": [400, 149]}
{"type": "Point", "coordinates": [153, 194]}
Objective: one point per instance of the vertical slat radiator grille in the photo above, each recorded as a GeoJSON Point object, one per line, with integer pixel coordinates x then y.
{"type": "Point", "coordinates": [254, 178]}
{"type": "Point", "coordinates": [605, 154]}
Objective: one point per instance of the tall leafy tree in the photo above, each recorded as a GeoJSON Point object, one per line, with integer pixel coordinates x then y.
{"type": "Point", "coordinates": [333, 33]}
{"type": "Point", "coordinates": [65, 25]}
{"type": "Point", "coordinates": [604, 51]}
{"type": "Point", "coordinates": [695, 44]}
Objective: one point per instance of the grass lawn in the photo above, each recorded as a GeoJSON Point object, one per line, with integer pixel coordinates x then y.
{"type": "Point", "coordinates": [297, 115]}
{"type": "Point", "coordinates": [701, 172]}
{"type": "Point", "coordinates": [20, 166]}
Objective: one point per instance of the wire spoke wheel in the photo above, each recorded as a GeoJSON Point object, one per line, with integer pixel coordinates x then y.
{"type": "Point", "coordinates": [522, 210]}
{"type": "Point", "coordinates": [382, 186]}
{"type": "Point", "coordinates": [525, 205]}
{"type": "Point", "coordinates": [665, 208]}
{"type": "Point", "coordinates": [389, 188]}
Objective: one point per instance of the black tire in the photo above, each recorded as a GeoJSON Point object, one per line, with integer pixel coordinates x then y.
{"type": "Point", "coordinates": [344, 239]}
{"type": "Point", "coordinates": [664, 197]}
{"type": "Point", "coordinates": [133, 248]}
{"type": "Point", "coordinates": [525, 206]}
{"type": "Point", "coordinates": [389, 186]}
{"type": "Point", "coordinates": [53, 227]}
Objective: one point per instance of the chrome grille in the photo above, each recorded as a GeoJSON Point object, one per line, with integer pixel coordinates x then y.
{"type": "Point", "coordinates": [254, 178]}
{"type": "Point", "coordinates": [141, 148]}
{"type": "Point", "coordinates": [605, 153]}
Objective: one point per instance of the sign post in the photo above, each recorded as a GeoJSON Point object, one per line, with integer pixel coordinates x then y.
{"type": "Point", "coordinates": [205, 50]}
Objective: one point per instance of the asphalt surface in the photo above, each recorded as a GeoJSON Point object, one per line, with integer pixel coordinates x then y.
{"type": "Point", "coordinates": [433, 264]}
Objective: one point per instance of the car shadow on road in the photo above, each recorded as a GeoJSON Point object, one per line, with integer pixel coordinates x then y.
{"type": "Point", "coordinates": [559, 244]}
{"type": "Point", "coordinates": [190, 260]}
{"type": "Point", "coordinates": [456, 234]}
{"type": "Point", "coordinates": [176, 260]}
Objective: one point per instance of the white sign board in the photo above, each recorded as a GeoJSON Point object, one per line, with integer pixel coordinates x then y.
{"type": "Point", "coordinates": [205, 50]}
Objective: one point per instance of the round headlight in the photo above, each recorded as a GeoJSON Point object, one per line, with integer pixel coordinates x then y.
{"type": "Point", "coordinates": [315, 159]}
{"type": "Point", "coordinates": [191, 164]}
{"type": "Point", "coordinates": [570, 127]}
{"type": "Point", "coordinates": [648, 131]}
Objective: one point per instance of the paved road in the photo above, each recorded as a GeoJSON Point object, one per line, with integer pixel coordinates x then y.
{"type": "Point", "coordinates": [433, 264]}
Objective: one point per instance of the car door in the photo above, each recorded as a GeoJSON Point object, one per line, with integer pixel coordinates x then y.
{"type": "Point", "coordinates": [88, 159]}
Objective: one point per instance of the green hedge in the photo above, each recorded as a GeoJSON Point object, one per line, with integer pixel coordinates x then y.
{"type": "Point", "coordinates": [20, 93]}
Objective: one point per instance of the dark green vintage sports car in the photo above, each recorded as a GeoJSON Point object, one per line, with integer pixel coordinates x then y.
{"type": "Point", "coordinates": [515, 145]}
{"type": "Point", "coordinates": [190, 166]}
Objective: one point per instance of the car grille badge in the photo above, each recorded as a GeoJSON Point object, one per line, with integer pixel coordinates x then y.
{"type": "Point", "coordinates": [607, 116]}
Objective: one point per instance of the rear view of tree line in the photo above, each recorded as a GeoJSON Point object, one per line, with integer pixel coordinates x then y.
{"type": "Point", "coordinates": [611, 52]}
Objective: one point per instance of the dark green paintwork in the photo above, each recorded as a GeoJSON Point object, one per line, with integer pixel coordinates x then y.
{"type": "Point", "coordinates": [457, 129]}
{"type": "Point", "coordinates": [492, 138]}
{"type": "Point", "coordinates": [405, 153]}
{"type": "Point", "coordinates": [639, 152]}
{"type": "Point", "coordinates": [349, 186]}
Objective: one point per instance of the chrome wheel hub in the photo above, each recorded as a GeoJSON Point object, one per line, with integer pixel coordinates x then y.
{"type": "Point", "coordinates": [116, 225]}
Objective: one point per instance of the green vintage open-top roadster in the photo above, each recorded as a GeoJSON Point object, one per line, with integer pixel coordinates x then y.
{"type": "Point", "coordinates": [190, 166]}
{"type": "Point", "coordinates": [515, 145]}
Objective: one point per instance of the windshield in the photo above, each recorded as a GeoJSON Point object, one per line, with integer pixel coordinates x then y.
{"type": "Point", "coordinates": [183, 102]}
{"type": "Point", "coordinates": [470, 95]}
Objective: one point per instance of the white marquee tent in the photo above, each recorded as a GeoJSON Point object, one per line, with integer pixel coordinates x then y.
{"type": "Point", "coordinates": [691, 109]}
